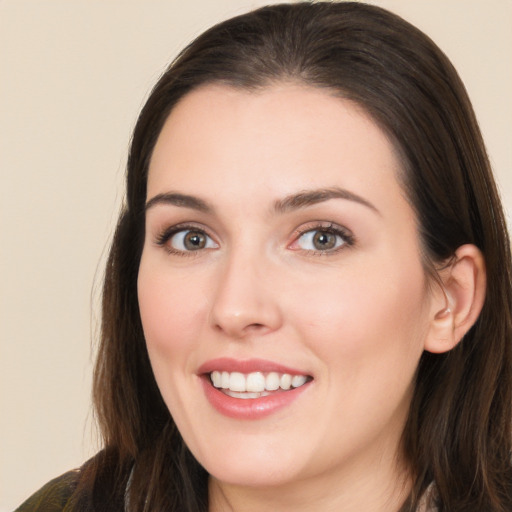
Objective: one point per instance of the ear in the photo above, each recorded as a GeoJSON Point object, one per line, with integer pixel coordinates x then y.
{"type": "Point", "coordinates": [456, 304]}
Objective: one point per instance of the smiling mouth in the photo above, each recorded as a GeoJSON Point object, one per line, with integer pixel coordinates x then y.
{"type": "Point", "coordinates": [255, 384]}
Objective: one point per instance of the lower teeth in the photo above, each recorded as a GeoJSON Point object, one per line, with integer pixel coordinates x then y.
{"type": "Point", "coordinates": [245, 394]}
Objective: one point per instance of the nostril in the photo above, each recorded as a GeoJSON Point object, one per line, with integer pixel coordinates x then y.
{"type": "Point", "coordinates": [245, 315]}
{"type": "Point", "coordinates": [241, 331]}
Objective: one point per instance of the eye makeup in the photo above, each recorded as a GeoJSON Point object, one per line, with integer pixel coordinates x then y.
{"type": "Point", "coordinates": [313, 238]}
{"type": "Point", "coordinates": [185, 240]}
{"type": "Point", "coordinates": [323, 238]}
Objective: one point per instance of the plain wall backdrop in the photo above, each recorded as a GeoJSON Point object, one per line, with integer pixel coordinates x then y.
{"type": "Point", "coordinates": [73, 76]}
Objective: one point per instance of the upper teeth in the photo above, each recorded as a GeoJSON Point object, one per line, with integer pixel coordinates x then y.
{"type": "Point", "coordinates": [256, 382]}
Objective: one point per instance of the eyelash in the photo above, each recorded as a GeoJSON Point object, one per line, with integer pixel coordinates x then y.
{"type": "Point", "coordinates": [347, 238]}
{"type": "Point", "coordinates": [163, 239]}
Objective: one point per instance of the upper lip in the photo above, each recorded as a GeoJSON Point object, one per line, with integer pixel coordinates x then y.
{"type": "Point", "coordinates": [226, 364]}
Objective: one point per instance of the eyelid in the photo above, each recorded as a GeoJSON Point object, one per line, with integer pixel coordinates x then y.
{"type": "Point", "coordinates": [346, 234]}
{"type": "Point", "coordinates": [166, 234]}
{"type": "Point", "coordinates": [327, 226]}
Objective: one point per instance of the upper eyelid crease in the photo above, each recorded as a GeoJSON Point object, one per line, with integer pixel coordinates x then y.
{"type": "Point", "coordinates": [173, 230]}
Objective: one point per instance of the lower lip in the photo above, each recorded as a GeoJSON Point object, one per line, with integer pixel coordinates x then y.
{"type": "Point", "coordinates": [249, 408]}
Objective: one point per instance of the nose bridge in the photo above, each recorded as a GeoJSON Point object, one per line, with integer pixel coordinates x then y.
{"type": "Point", "coordinates": [244, 301]}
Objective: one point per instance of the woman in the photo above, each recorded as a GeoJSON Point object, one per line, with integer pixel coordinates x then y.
{"type": "Point", "coordinates": [307, 300]}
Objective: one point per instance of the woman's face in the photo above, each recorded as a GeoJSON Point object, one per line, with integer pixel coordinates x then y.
{"type": "Point", "coordinates": [281, 257]}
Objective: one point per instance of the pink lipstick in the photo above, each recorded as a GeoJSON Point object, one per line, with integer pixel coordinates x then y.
{"type": "Point", "coordinates": [251, 389]}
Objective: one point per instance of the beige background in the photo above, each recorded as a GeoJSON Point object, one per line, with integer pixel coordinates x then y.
{"type": "Point", "coordinates": [73, 75]}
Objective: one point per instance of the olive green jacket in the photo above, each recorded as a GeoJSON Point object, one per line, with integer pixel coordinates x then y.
{"type": "Point", "coordinates": [54, 496]}
{"type": "Point", "coordinates": [97, 486]}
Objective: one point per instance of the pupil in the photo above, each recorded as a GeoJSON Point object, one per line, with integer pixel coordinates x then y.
{"type": "Point", "coordinates": [323, 240]}
{"type": "Point", "coordinates": [194, 240]}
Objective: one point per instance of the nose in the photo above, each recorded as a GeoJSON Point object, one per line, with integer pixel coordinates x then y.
{"type": "Point", "coordinates": [246, 299]}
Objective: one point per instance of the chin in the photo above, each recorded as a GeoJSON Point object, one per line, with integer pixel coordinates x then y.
{"type": "Point", "coordinates": [252, 475]}
{"type": "Point", "coordinates": [260, 465]}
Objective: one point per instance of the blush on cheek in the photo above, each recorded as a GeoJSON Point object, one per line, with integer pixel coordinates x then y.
{"type": "Point", "coordinates": [336, 315]}
{"type": "Point", "coordinates": [169, 318]}
{"type": "Point", "coordinates": [362, 317]}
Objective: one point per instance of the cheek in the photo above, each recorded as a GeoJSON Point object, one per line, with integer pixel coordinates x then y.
{"type": "Point", "coordinates": [370, 313]}
{"type": "Point", "coordinates": [172, 319]}
{"type": "Point", "coordinates": [171, 309]}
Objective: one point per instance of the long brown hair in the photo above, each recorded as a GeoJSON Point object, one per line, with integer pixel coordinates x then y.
{"type": "Point", "coordinates": [458, 431]}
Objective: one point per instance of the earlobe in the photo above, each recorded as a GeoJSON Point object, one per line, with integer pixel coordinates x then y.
{"type": "Point", "coordinates": [456, 306]}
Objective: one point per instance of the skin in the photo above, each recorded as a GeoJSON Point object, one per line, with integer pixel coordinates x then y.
{"type": "Point", "coordinates": [355, 318]}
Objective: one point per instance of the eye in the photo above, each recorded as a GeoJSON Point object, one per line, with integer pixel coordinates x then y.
{"type": "Point", "coordinates": [322, 239]}
{"type": "Point", "coordinates": [190, 240]}
{"type": "Point", "coordinates": [183, 240]}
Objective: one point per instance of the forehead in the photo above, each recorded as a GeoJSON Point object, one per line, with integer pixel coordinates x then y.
{"type": "Point", "coordinates": [279, 139]}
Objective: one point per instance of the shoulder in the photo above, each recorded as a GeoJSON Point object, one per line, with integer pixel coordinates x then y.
{"type": "Point", "coordinates": [54, 496]}
{"type": "Point", "coordinates": [98, 486]}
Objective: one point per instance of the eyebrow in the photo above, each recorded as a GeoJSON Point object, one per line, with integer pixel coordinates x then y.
{"type": "Point", "coordinates": [311, 197]}
{"type": "Point", "coordinates": [183, 200]}
{"type": "Point", "coordinates": [289, 203]}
